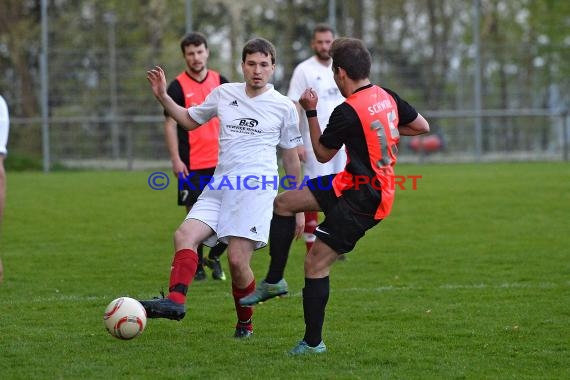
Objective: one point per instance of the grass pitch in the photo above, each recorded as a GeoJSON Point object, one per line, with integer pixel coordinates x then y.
{"type": "Point", "coordinates": [469, 278]}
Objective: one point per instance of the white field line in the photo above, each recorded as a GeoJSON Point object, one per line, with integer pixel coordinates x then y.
{"type": "Point", "coordinates": [515, 285]}
{"type": "Point", "coordinates": [224, 293]}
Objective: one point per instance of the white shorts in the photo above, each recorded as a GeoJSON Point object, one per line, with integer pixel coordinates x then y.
{"type": "Point", "coordinates": [232, 209]}
{"type": "Point", "coordinates": [313, 168]}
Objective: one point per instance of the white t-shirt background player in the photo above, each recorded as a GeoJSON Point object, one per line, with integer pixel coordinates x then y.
{"type": "Point", "coordinates": [316, 73]}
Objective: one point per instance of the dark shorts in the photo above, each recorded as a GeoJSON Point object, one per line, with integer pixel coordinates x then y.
{"type": "Point", "coordinates": [190, 188]}
{"type": "Point", "coordinates": [347, 218]}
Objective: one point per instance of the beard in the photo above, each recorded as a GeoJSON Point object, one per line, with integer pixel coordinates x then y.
{"type": "Point", "coordinates": [323, 55]}
{"type": "Point", "coordinates": [197, 69]}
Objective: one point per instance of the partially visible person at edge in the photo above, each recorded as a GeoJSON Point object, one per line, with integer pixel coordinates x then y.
{"type": "Point", "coordinates": [369, 123]}
{"type": "Point", "coordinates": [4, 128]}
{"type": "Point", "coordinates": [194, 154]}
{"type": "Point", "coordinates": [254, 120]}
{"type": "Point", "coordinates": [316, 73]}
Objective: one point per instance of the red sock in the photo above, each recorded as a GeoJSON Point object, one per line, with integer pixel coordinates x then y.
{"type": "Point", "coordinates": [244, 314]}
{"type": "Point", "coordinates": [183, 269]}
{"type": "Point", "coordinates": [311, 221]}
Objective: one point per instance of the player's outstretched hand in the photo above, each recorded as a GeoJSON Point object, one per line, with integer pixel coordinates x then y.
{"type": "Point", "coordinates": [157, 81]}
{"type": "Point", "coordinates": [309, 99]}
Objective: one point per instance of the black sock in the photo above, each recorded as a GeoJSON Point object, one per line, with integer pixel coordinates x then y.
{"type": "Point", "coordinates": [315, 298]}
{"type": "Point", "coordinates": [217, 251]}
{"type": "Point", "coordinates": [281, 236]}
{"type": "Point", "coordinates": [200, 252]}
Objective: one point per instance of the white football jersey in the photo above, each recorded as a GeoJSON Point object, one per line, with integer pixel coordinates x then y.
{"type": "Point", "coordinates": [312, 74]}
{"type": "Point", "coordinates": [250, 128]}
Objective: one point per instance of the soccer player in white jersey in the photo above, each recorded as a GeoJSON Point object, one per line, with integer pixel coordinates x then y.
{"type": "Point", "coordinates": [316, 73]}
{"type": "Point", "coordinates": [4, 126]}
{"type": "Point", "coordinates": [236, 207]}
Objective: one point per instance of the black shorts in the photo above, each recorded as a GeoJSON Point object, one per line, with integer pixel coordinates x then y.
{"type": "Point", "coordinates": [190, 188]}
{"type": "Point", "coordinates": [347, 217]}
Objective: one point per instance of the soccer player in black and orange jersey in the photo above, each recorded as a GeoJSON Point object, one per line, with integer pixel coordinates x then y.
{"type": "Point", "coordinates": [194, 154]}
{"type": "Point", "coordinates": [369, 123]}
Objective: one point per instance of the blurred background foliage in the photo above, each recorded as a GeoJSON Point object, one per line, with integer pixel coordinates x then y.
{"type": "Point", "coordinates": [99, 51]}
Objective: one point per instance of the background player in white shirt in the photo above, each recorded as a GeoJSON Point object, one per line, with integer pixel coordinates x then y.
{"type": "Point", "coordinates": [316, 73]}
{"type": "Point", "coordinates": [236, 207]}
{"type": "Point", "coordinates": [4, 126]}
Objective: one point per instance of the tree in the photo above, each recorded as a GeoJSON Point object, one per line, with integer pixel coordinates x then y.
{"type": "Point", "coordinates": [19, 28]}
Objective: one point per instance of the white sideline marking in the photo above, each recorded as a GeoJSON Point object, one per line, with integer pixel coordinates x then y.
{"type": "Point", "coordinates": [209, 294]}
{"type": "Point", "coordinates": [515, 285]}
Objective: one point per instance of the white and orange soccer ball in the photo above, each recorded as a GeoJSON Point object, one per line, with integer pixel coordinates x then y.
{"type": "Point", "coordinates": [125, 318]}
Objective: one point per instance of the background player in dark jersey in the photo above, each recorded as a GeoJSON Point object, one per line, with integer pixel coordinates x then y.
{"type": "Point", "coordinates": [369, 124]}
{"type": "Point", "coordinates": [194, 154]}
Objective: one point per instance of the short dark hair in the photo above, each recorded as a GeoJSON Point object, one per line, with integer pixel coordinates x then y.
{"type": "Point", "coordinates": [321, 28]}
{"type": "Point", "coordinates": [259, 45]}
{"type": "Point", "coordinates": [352, 56]}
{"type": "Point", "coordinates": [193, 38]}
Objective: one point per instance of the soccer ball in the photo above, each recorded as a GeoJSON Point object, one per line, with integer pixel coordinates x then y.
{"type": "Point", "coordinates": [125, 318]}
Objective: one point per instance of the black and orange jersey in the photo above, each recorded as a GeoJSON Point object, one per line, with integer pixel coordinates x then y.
{"type": "Point", "coordinates": [198, 149]}
{"type": "Point", "coordinates": [367, 124]}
